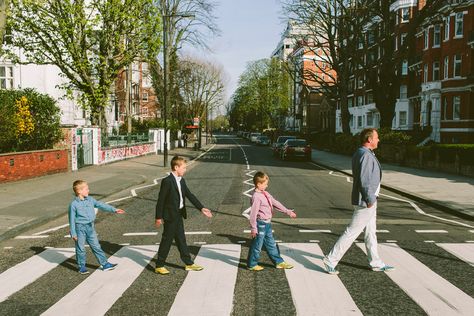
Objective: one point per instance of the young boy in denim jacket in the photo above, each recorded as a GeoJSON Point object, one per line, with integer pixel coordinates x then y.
{"type": "Point", "coordinates": [261, 226]}
{"type": "Point", "coordinates": [81, 222]}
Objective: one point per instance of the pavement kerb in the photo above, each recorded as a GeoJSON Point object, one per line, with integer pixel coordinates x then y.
{"type": "Point", "coordinates": [36, 222]}
{"type": "Point", "coordinates": [436, 204]}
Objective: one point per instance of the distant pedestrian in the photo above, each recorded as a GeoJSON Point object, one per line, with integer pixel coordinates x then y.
{"type": "Point", "coordinates": [170, 211]}
{"type": "Point", "coordinates": [185, 140]}
{"type": "Point", "coordinates": [261, 214]}
{"type": "Point", "coordinates": [367, 174]}
{"type": "Point", "coordinates": [81, 223]}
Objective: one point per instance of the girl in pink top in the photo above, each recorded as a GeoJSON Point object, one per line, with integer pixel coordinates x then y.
{"type": "Point", "coordinates": [261, 226]}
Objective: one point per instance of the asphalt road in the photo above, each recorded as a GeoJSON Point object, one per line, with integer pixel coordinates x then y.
{"type": "Point", "coordinates": [221, 180]}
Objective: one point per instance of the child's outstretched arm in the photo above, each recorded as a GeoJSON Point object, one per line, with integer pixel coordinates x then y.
{"type": "Point", "coordinates": [280, 207]}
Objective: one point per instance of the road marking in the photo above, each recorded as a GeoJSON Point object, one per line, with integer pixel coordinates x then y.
{"type": "Point", "coordinates": [382, 231]}
{"type": "Point", "coordinates": [391, 240]}
{"type": "Point", "coordinates": [471, 231]}
{"type": "Point", "coordinates": [96, 294]}
{"type": "Point", "coordinates": [313, 240]}
{"type": "Point", "coordinates": [420, 211]}
{"type": "Point", "coordinates": [434, 294]}
{"type": "Point", "coordinates": [28, 271]}
{"type": "Point", "coordinates": [141, 234]}
{"type": "Point", "coordinates": [32, 237]}
{"type": "Point", "coordinates": [200, 242]}
{"type": "Point", "coordinates": [312, 289]}
{"type": "Point", "coordinates": [469, 240]}
{"type": "Point", "coordinates": [430, 241]}
{"type": "Point", "coordinates": [51, 230]}
{"type": "Point", "coordinates": [241, 242]}
{"type": "Point", "coordinates": [314, 231]}
{"type": "Point", "coordinates": [431, 231]}
{"type": "Point", "coordinates": [202, 293]}
{"type": "Point", "coordinates": [198, 233]}
{"type": "Point", "coordinates": [8, 247]}
{"type": "Point", "coordinates": [465, 252]}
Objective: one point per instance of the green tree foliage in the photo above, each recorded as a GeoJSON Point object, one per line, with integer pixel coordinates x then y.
{"type": "Point", "coordinates": [90, 41]}
{"type": "Point", "coordinates": [45, 117]}
{"type": "Point", "coordinates": [262, 95]}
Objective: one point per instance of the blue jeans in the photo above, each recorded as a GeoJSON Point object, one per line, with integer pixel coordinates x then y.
{"type": "Point", "coordinates": [264, 237]}
{"type": "Point", "coordinates": [86, 232]}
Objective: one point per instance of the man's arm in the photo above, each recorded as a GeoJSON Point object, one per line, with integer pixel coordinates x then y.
{"type": "Point", "coordinates": [367, 182]}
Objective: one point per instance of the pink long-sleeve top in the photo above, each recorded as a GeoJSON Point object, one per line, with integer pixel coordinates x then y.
{"type": "Point", "coordinates": [262, 209]}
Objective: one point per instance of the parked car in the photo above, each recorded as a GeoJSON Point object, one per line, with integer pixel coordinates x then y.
{"type": "Point", "coordinates": [253, 137]}
{"type": "Point", "coordinates": [262, 140]}
{"type": "Point", "coordinates": [294, 148]}
{"type": "Point", "coordinates": [279, 144]}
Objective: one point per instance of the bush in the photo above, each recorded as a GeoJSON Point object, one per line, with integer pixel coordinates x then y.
{"type": "Point", "coordinates": [447, 153]}
{"type": "Point", "coordinates": [388, 136]}
{"type": "Point", "coordinates": [28, 121]}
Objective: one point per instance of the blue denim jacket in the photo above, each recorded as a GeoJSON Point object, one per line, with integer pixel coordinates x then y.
{"type": "Point", "coordinates": [82, 211]}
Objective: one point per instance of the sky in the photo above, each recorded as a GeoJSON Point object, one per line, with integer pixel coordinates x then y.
{"type": "Point", "coordinates": [250, 30]}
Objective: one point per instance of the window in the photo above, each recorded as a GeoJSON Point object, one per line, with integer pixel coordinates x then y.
{"type": "Point", "coordinates": [351, 120]}
{"type": "Point", "coordinates": [435, 71]}
{"type": "Point", "coordinates": [447, 20]}
{"type": "Point", "coordinates": [6, 77]}
{"type": "Point", "coordinates": [436, 36]}
{"type": "Point", "coordinates": [359, 121]}
{"type": "Point", "coordinates": [350, 102]}
{"type": "Point", "coordinates": [405, 14]}
{"type": "Point", "coordinates": [425, 73]}
{"type": "Point", "coordinates": [403, 92]}
{"type": "Point", "coordinates": [395, 44]}
{"type": "Point", "coordinates": [360, 82]}
{"type": "Point", "coordinates": [446, 67]}
{"type": "Point", "coordinates": [145, 111]}
{"type": "Point", "coordinates": [370, 97]}
{"type": "Point", "coordinates": [457, 65]}
{"type": "Point", "coordinates": [426, 38]}
{"type": "Point", "coordinates": [457, 108]}
{"type": "Point", "coordinates": [360, 100]}
{"type": "Point", "coordinates": [145, 96]}
{"type": "Point", "coordinates": [405, 67]}
{"type": "Point", "coordinates": [370, 119]}
{"type": "Point", "coordinates": [402, 118]}
{"type": "Point", "coordinates": [444, 114]}
{"type": "Point", "coordinates": [458, 25]}
{"type": "Point", "coordinates": [403, 38]}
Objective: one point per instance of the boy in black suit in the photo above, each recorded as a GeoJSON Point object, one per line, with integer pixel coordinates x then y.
{"type": "Point", "coordinates": [170, 211]}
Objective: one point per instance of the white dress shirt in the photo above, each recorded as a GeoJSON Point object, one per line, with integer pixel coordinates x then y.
{"type": "Point", "coordinates": [178, 182]}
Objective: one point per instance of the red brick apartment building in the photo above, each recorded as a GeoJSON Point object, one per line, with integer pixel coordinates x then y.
{"type": "Point", "coordinates": [441, 84]}
{"type": "Point", "coordinates": [311, 69]}
{"type": "Point", "coordinates": [143, 97]}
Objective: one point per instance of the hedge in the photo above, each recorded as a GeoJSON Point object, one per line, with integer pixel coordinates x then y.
{"type": "Point", "coordinates": [28, 121]}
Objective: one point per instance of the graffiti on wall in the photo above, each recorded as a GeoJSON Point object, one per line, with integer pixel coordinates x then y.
{"type": "Point", "coordinates": [119, 153]}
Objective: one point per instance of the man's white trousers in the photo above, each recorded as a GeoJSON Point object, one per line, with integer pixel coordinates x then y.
{"type": "Point", "coordinates": [362, 218]}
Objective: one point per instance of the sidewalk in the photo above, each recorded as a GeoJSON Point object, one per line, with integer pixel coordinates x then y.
{"type": "Point", "coordinates": [449, 192]}
{"type": "Point", "coordinates": [28, 203]}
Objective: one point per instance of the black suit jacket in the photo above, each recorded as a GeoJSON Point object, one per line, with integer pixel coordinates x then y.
{"type": "Point", "coordinates": [167, 207]}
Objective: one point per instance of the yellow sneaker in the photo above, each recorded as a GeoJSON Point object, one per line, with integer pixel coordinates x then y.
{"type": "Point", "coordinates": [256, 268]}
{"type": "Point", "coordinates": [193, 267]}
{"type": "Point", "coordinates": [284, 265]}
{"type": "Point", "coordinates": [162, 270]}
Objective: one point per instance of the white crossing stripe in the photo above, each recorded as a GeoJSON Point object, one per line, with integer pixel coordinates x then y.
{"type": "Point", "coordinates": [314, 231]}
{"type": "Point", "coordinates": [141, 234]}
{"type": "Point", "coordinates": [434, 294]}
{"type": "Point", "coordinates": [465, 252]}
{"type": "Point", "coordinates": [315, 292]}
{"type": "Point", "coordinates": [28, 271]}
{"type": "Point", "coordinates": [210, 291]}
{"type": "Point", "coordinates": [431, 231]}
{"type": "Point", "coordinates": [96, 294]}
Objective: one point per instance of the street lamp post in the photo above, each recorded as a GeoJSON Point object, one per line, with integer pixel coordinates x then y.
{"type": "Point", "coordinates": [165, 79]}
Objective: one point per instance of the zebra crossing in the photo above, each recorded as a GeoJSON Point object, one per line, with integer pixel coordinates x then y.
{"type": "Point", "coordinates": [211, 291]}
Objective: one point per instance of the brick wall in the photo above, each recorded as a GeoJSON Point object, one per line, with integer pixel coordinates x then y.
{"type": "Point", "coordinates": [24, 165]}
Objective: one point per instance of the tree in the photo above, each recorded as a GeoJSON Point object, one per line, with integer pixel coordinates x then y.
{"type": "Point", "coordinates": [261, 97]}
{"type": "Point", "coordinates": [187, 21]}
{"type": "Point", "coordinates": [3, 17]}
{"type": "Point", "coordinates": [201, 88]}
{"type": "Point", "coordinates": [90, 41]}
{"type": "Point", "coordinates": [334, 28]}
